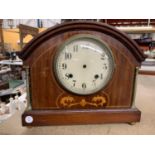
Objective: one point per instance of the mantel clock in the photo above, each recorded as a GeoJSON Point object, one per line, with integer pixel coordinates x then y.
{"type": "Point", "coordinates": [81, 73]}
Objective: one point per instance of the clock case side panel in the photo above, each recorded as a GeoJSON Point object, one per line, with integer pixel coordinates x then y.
{"type": "Point", "coordinates": [44, 88]}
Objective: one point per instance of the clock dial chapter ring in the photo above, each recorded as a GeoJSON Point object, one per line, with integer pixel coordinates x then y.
{"type": "Point", "coordinates": [84, 64]}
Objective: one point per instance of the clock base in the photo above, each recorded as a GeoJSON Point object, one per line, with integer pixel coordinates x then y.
{"type": "Point", "coordinates": [72, 117]}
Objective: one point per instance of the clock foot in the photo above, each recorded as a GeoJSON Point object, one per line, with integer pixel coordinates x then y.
{"type": "Point", "coordinates": [132, 123]}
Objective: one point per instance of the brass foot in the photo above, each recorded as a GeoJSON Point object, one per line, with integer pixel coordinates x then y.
{"type": "Point", "coordinates": [132, 123]}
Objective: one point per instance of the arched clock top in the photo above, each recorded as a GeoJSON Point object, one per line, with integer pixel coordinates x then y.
{"type": "Point", "coordinates": [29, 49]}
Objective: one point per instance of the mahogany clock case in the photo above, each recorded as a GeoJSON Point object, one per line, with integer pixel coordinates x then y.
{"type": "Point", "coordinates": [51, 104]}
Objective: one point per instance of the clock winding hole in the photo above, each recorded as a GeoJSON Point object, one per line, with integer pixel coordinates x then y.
{"type": "Point", "coordinates": [84, 66]}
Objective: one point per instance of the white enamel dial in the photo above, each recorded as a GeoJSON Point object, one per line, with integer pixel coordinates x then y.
{"type": "Point", "coordinates": [84, 65]}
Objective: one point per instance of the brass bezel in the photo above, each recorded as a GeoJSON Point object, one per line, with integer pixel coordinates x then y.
{"type": "Point", "coordinates": [82, 36]}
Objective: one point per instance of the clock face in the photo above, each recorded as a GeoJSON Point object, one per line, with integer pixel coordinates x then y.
{"type": "Point", "coordinates": [84, 65]}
